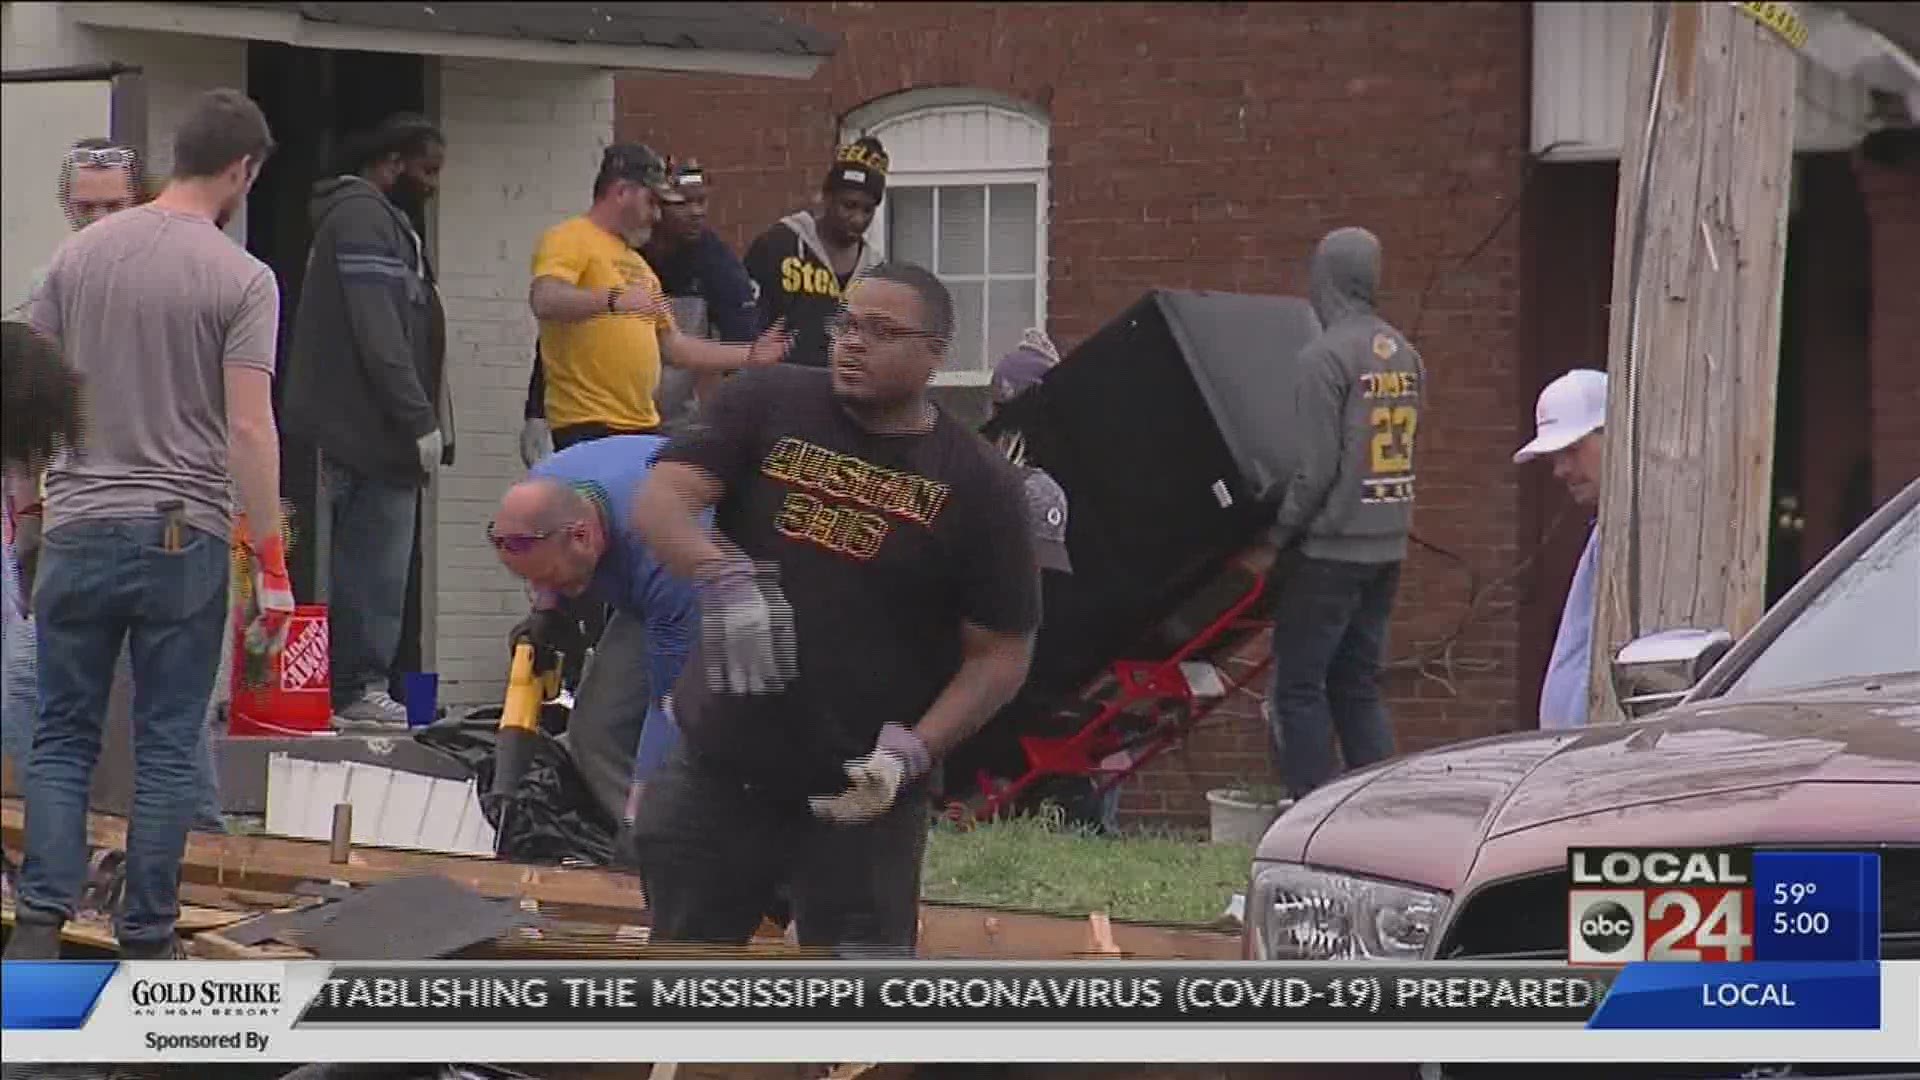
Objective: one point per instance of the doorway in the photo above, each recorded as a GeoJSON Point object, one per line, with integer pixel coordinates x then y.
{"type": "Point", "coordinates": [1821, 449]}
{"type": "Point", "coordinates": [313, 99]}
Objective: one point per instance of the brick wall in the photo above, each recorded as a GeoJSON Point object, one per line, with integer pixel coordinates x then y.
{"type": "Point", "coordinates": [1209, 146]}
{"type": "Point", "coordinates": [1893, 209]}
{"type": "Point", "coordinates": [531, 136]}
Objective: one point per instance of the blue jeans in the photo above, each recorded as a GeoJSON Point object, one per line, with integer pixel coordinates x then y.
{"type": "Point", "coordinates": [102, 584]}
{"type": "Point", "coordinates": [372, 538]}
{"type": "Point", "coordinates": [1329, 631]}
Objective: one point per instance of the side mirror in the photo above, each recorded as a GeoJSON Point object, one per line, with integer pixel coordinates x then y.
{"type": "Point", "coordinates": [1656, 671]}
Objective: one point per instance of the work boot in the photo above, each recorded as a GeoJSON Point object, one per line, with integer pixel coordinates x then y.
{"type": "Point", "coordinates": [375, 711]}
{"type": "Point", "coordinates": [167, 948]}
{"type": "Point", "coordinates": [33, 939]}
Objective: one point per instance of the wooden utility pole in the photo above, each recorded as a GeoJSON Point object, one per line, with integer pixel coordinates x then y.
{"type": "Point", "coordinates": [1693, 356]}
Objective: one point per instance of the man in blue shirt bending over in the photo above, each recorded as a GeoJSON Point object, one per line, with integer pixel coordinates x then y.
{"type": "Point", "coordinates": [565, 531]}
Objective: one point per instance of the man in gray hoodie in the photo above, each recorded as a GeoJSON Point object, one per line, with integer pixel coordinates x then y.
{"type": "Point", "coordinates": [1343, 523]}
{"type": "Point", "coordinates": [365, 383]}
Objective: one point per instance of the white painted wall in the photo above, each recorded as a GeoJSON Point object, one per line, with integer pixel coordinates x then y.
{"type": "Point", "coordinates": [523, 143]}
{"type": "Point", "coordinates": [176, 67]}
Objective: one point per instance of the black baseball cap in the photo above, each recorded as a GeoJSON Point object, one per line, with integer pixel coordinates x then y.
{"type": "Point", "coordinates": [635, 162]}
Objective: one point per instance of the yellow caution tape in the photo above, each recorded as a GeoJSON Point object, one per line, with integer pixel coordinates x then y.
{"type": "Point", "coordinates": [1782, 19]}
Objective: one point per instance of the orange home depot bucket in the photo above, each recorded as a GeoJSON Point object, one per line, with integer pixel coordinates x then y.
{"type": "Point", "coordinates": [298, 697]}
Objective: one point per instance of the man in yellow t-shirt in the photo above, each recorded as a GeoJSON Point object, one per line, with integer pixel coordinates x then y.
{"type": "Point", "coordinates": [605, 327]}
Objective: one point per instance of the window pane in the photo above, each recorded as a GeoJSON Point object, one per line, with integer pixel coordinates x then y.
{"type": "Point", "coordinates": [967, 353]}
{"type": "Point", "coordinates": [1014, 217]}
{"type": "Point", "coordinates": [963, 230]}
{"type": "Point", "coordinates": [1009, 314]}
{"type": "Point", "coordinates": [910, 225]}
{"type": "Point", "coordinates": [1863, 623]}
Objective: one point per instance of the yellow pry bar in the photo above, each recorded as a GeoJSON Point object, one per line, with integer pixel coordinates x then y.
{"type": "Point", "coordinates": [1782, 19]}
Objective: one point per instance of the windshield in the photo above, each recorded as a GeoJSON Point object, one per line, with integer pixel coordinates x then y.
{"type": "Point", "coordinates": [1865, 622]}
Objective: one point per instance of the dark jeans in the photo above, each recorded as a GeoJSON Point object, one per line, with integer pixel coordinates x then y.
{"type": "Point", "coordinates": [102, 583]}
{"type": "Point", "coordinates": [714, 853]}
{"type": "Point", "coordinates": [372, 552]}
{"type": "Point", "coordinates": [1329, 631]}
{"type": "Point", "coordinates": [609, 712]}
{"type": "Point", "coordinates": [574, 434]}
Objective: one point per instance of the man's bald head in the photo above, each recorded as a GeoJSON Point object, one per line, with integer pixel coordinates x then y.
{"type": "Point", "coordinates": [539, 504]}
{"type": "Point", "coordinates": [549, 534]}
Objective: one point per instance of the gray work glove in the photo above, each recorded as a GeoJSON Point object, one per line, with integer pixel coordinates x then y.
{"type": "Point", "coordinates": [430, 446]}
{"type": "Point", "coordinates": [874, 781]}
{"type": "Point", "coordinates": [536, 441]}
{"type": "Point", "coordinates": [746, 629]}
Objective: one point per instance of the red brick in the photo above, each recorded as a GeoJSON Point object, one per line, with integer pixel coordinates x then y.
{"type": "Point", "coordinates": [1209, 147]}
{"type": "Point", "coordinates": [1893, 207]}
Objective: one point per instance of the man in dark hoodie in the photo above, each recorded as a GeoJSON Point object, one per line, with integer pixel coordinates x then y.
{"type": "Point", "coordinates": [365, 385]}
{"type": "Point", "coordinates": [803, 264]}
{"type": "Point", "coordinates": [1342, 526]}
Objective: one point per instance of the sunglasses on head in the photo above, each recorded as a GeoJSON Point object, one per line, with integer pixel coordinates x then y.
{"type": "Point", "coordinates": [101, 157]}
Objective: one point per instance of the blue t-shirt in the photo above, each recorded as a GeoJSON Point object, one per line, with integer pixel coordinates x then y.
{"type": "Point", "coordinates": [629, 578]}
{"type": "Point", "coordinates": [1563, 696]}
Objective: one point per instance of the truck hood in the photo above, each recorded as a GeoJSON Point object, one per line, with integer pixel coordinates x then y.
{"type": "Point", "coordinates": [1424, 818]}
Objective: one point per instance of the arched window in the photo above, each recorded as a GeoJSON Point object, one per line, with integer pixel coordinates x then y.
{"type": "Point", "coordinates": [967, 198]}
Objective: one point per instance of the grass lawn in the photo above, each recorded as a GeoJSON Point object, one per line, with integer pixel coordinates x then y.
{"type": "Point", "coordinates": [1028, 863]}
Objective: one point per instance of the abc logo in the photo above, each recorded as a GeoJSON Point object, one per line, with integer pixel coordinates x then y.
{"type": "Point", "coordinates": [1606, 927]}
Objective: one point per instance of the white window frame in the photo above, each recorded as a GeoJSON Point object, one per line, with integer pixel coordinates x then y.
{"type": "Point", "coordinates": [912, 106]}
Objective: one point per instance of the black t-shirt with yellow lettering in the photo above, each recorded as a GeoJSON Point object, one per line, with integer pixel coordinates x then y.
{"type": "Point", "coordinates": [793, 282]}
{"type": "Point", "coordinates": [885, 543]}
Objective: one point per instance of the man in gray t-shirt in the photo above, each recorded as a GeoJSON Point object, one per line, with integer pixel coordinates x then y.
{"type": "Point", "coordinates": [173, 326]}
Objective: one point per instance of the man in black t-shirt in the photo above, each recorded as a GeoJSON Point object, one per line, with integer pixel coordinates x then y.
{"type": "Point", "coordinates": [868, 599]}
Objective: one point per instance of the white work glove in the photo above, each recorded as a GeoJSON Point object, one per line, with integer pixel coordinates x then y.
{"type": "Point", "coordinates": [536, 441]}
{"type": "Point", "coordinates": [746, 629]}
{"type": "Point", "coordinates": [430, 445]}
{"type": "Point", "coordinates": [874, 781]}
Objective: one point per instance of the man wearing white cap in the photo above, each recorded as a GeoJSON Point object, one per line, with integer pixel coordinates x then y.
{"type": "Point", "coordinates": [1570, 416]}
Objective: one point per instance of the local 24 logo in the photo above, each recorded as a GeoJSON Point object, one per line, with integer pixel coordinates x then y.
{"type": "Point", "coordinates": [1626, 905]}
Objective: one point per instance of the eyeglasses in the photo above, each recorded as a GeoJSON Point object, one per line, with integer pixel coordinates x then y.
{"type": "Point", "coordinates": [518, 543]}
{"type": "Point", "coordinates": [847, 324]}
{"type": "Point", "coordinates": [101, 157]}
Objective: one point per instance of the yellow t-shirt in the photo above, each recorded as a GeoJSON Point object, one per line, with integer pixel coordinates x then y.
{"type": "Point", "coordinates": [603, 370]}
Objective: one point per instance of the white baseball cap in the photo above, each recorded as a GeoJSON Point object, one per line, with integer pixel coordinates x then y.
{"type": "Point", "coordinates": [1572, 407]}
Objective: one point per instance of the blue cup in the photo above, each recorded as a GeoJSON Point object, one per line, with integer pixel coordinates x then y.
{"type": "Point", "coordinates": [423, 698]}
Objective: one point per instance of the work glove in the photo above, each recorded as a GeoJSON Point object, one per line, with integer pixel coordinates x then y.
{"type": "Point", "coordinates": [430, 445]}
{"type": "Point", "coordinates": [550, 631]}
{"type": "Point", "coordinates": [536, 441]}
{"type": "Point", "coordinates": [272, 599]}
{"type": "Point", "coordinates": [746, 629]}
{"type": "Point", "coordinates": [874, 781]}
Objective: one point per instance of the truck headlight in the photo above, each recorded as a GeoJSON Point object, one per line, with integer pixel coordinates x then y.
{"type": "Point", "coordinates": [1297, 913]}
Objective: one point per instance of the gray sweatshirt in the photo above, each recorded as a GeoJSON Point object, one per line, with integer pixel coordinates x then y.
{"type": "Point", "coordinates": [1358, 395]}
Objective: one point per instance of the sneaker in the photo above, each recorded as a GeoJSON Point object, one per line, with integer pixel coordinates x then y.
{"type": "Point", "coordinates": [375, 711]}
{"type": "Point", "coordinates": [33, 940]}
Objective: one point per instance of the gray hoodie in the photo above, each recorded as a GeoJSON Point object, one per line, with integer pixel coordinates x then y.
{"type": "Point", "coordinates": [1358, 396]}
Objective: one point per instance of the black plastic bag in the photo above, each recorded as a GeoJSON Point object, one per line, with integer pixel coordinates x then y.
{"type": "Point", "coordinates": [550, 817]}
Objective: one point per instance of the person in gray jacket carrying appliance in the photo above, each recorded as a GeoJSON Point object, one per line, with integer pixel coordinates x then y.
{"type": "Point", "coordinates": [365, 384]}
{"type": "Point", "coordinates": [1343, 522]}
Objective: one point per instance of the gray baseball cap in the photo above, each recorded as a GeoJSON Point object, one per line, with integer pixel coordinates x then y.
{"type": "Point", "coordinates": [1047, 516]}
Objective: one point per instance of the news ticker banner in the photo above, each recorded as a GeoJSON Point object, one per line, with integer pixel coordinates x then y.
{"type": "Point", "coordinates": [1722, 904]}
{"type": "Point", "coordinates": [313, 1011]}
